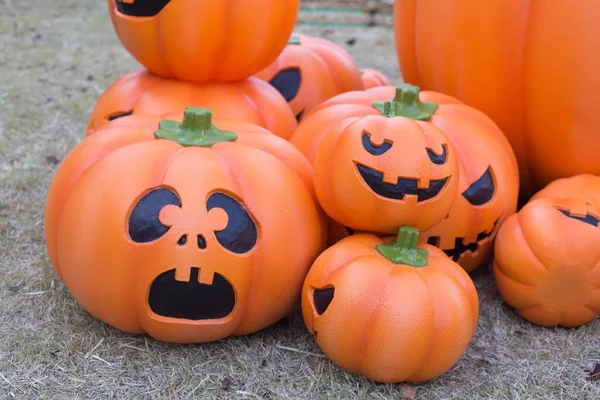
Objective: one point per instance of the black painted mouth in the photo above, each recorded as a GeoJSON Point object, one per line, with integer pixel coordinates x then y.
{"type": "Point", "coordinates": [460, 247]}
{"type": "Point", "coordinates": [403, 187]}
{"type": "Point", "coordinates": [141, 8]}
{"type": "Point", "coordinates": [191, 300]}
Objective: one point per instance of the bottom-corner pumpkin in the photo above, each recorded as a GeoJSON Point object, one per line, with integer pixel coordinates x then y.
{"type": "Point", "coordinates": [547, 261]}
{"type": "Point", "coordinates": [173, 231]}
{"type": "Point", "coordinates": [390, 311]}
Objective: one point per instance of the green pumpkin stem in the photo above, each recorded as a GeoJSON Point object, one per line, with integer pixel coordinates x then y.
{"type": "Point", "coordinates": [404, 250]}
{"type": "Point", "coordinates": [406, 104]}
{"type": "Point", "coordinates": [196, 129]}
{"type": "Point", "coordinates": [294, 40]}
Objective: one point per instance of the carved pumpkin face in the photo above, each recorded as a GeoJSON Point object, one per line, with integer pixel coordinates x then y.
{"type": "Point", "coordinates": [311, 70]}
{"type": "Point", "coordinates": [547, 260]}
{"type": "Point", "coordinates": [203, 40]}
{"type": "Point", "coordinates": [487, 194]}
{"type": "Point", "coordinates": [377, 173]}
{"type": "Point", "coordinates": [389, 311]}
{"type": "Point", "coordinates": [166, 229]}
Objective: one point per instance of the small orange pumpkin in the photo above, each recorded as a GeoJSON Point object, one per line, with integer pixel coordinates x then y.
{"type": "Point", "coordinates": [390, 311]}
{"type": "Point", "coordinates": [142, 92]}
{"type": "Point", "coordinates": [374, 78]}
{"type": "Point", "coordinates": [311, 70]}
{"type": "Point", "coordinates": [582, 186]}
{"type": "Point", "coordinates": [547, 261]}
{"type": "Point", "coordinates": [173, 230]}
{"type": "Point", "coordinates": [204, 40]}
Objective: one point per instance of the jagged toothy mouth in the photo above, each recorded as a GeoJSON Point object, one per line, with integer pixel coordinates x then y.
{"type": "Point", "coordinates": [460, 247]}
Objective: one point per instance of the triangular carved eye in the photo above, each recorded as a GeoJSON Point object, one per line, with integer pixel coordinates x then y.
{"type": "Point", "coordinates": [287, 82]}
{"type": "Point", "coordinates": [141, 8]}
{"type": "Point", "coordinates": [482, 190]}
{"type": "Point", "coordinates": [322, 298]}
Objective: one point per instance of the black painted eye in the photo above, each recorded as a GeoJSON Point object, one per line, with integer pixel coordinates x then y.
{"type": "Point", "coordinates": [120, 114]}
{"type": "Point", "coordinates": [322, 299]}
{"type": "Point", "coordinates": [141, 8]}
{"type": "Point", "coordinates": [144, 225]}
{"type": "Point", "coordinates": [287, 82]}
{"type": "Point", "coordinates": [240, 235]}
{"type": "Point", "coordinates": [438, 159]}
{"type": "Point", "coordinates": [375, 149]}
{"type": "Point", "coordinates": [482, 190]}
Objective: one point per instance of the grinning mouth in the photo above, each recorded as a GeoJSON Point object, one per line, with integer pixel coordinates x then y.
{"type": "Point", "coordinates": [460, 247]}
{"type": "Point", "coordinates": [191, 300]}
{"type": "Point", "coordinates": [402, 188]}
{"type": "Point", "coordinates": [141, 8]}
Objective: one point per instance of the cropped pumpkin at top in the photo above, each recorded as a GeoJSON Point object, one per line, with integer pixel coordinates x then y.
{"type": "Point", "coordinates": [311, 70]}
{"type": "Point", "coordinates": [547, 261]}
{"type": "Point", "coordinates": [533, 68]}
{"type": "Point", "coordinates": [374, 78]}
{"type": "Point", "coordinates": [142, 92]}
{"type": "Point", "coordinates": [583, 186]}
{"type": "Point", "coordinates": [390, 310]}
{"type": "Point", "coordinates": [204, 40]}
{"type": "Point", "coordinates": [170, 229]}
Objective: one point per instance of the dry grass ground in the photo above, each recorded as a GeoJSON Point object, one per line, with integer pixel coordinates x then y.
{"type": "Point", "coordinates": [56, 57]}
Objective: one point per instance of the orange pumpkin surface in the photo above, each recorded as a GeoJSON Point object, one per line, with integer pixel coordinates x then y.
{"type": "Point", "coordinates": [390, 311]}
{"type": "Point", "coordinates": [204, 40]}
{"type": "Point", "coordinates": [547, 262]}
{"type": "Point", "coordinates": [533, 68]}
{"type": "Point", "coordinates": [142, 92]}
{"type": "Point", "coordinates": [583, 186]}
{"type": "Point", "coordinates": [374, 78]}
{"type": "Point", "coordinates": [311, 70]}
{"type": "Point", "coordinates": [173, 231]}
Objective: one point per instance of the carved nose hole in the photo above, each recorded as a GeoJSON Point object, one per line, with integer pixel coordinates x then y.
{"type": "Point", "coordinates": [201, 242]}
{"type": "Point", "coordinates": [182, 240]}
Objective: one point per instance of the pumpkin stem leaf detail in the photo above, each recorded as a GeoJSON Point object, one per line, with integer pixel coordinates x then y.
{"type": "Point", "coordinates": [294, 40]}
{"type": "Point", "coordinates": [404, 249]}
{"type": "Point", "coordinates": [196, 129]}
{"type": "Point", "coordinates": [406, 104]}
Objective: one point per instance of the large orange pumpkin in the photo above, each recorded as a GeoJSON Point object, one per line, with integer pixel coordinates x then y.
{"type": "Point", "coordinates": [173, 230]}
{"type": "Point", "coordinates": [204, 40]}
{"type": "Point", "coordinates": [531, 66]}
{"type": "Point", "coordinates": [547, 261]}
{"type": "Point", "coordinates": [311, 70]}
{"type": "Point", "coordinates": [142, 92]}
{"type": "Point", "coordinates": [390, 311]}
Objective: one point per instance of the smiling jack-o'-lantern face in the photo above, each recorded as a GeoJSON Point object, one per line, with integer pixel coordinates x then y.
{"type": "Point", "coordinates": [488, 190]}
{"type": "Point", "coordinates": [204, 40]}
{"type": "Point", "coordinates": [377, 173]}
{"type": "Point", "coordinates": [175, 232]}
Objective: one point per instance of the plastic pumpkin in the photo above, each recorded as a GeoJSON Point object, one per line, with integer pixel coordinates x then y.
{"type": "Point", "coordinates": [204, 40]}
{"type": "Point", "coordinates": [547, 262]}
{"type": "Point", "coordinates": [374, 78]}
{"type": "Point", "coordinates": [533, 68]}
{"type": "Point", "coordinates": [311, 70]}
{"type": "Point", "coordinates": [173, 230]}
{"type": "Point", "coordinates": [583, 186]}
{"type": "Point", "coordinates": [141, 92]}
{"type": "Point", "coordinates": [389, 310]}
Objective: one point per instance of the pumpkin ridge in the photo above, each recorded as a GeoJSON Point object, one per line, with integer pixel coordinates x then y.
{"type": "Point", "coordinates": [527, 240]}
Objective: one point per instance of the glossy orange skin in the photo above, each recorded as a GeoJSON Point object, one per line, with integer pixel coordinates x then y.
{"type": "Point", "coordinates": [390, 323]}
{"type": "Point", "coordinates": [326, 70]}
{"type": "Point", "coordinates": [584, 186]}
{"type": "Point", "coordinates": [97, 184]}
{"type": "Point", "coordinates": [547, 266]}
{"type": "Point", "coordinates": [478, 150]}
{"type": "Point", "coordinates": [532, 68]}
{"type": "Point", "coordinates": [374, 78]}
{"type": "Point", "coordinates": [205, 40]}
{"type": "Point", "coordinates": [143, 92]}
{"type": "Point", "coordinates": [348, 199]}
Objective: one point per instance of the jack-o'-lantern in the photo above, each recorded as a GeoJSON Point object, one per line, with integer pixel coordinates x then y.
{"type": "Point", "coordinates": [390, 310]}
{"type": "Point", "coordinates": [547, 261]}
{"type": "Point", "coordinates": [311, 70]}
{"type": "Point", "coordinates": [583, 186]}
{"type": "Point", "coordinates": [173, 231]}
{"type": "Point", "coordinates": [142, 92]}
{"type": "Point", "coordinates": [204, 40]}
{"type": "Point", "coordinates": [374, 78]}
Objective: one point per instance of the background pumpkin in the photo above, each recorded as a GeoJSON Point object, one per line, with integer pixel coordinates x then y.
{"type": "Point", "coordinates": [110, 270]}
{"type": "Point", "coordinates": [547, 262]}
{"type": "Point", "coordinates": [142, 92]}
{"type": "Point", "coordinates": [203, 40]}
{"type": "Point", "coordinates": [311, 70]}
{"type": "Point", "coordinates": [390, 312]}
{"type": "Point", "coordinates": [373, 78]}
{"type": "Point", "coordinates": [531, 68]}
{"type": "Point", "coordinates": [584, 186]}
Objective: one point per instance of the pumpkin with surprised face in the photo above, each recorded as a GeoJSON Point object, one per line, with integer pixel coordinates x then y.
{"type": "Point", "coordinates": [169, 229]}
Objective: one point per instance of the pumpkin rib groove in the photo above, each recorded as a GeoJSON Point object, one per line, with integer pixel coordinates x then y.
{"type": "Point", "coordinates": [520, 217]}
{"type": "Point", "coordinates": [513, 279]}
